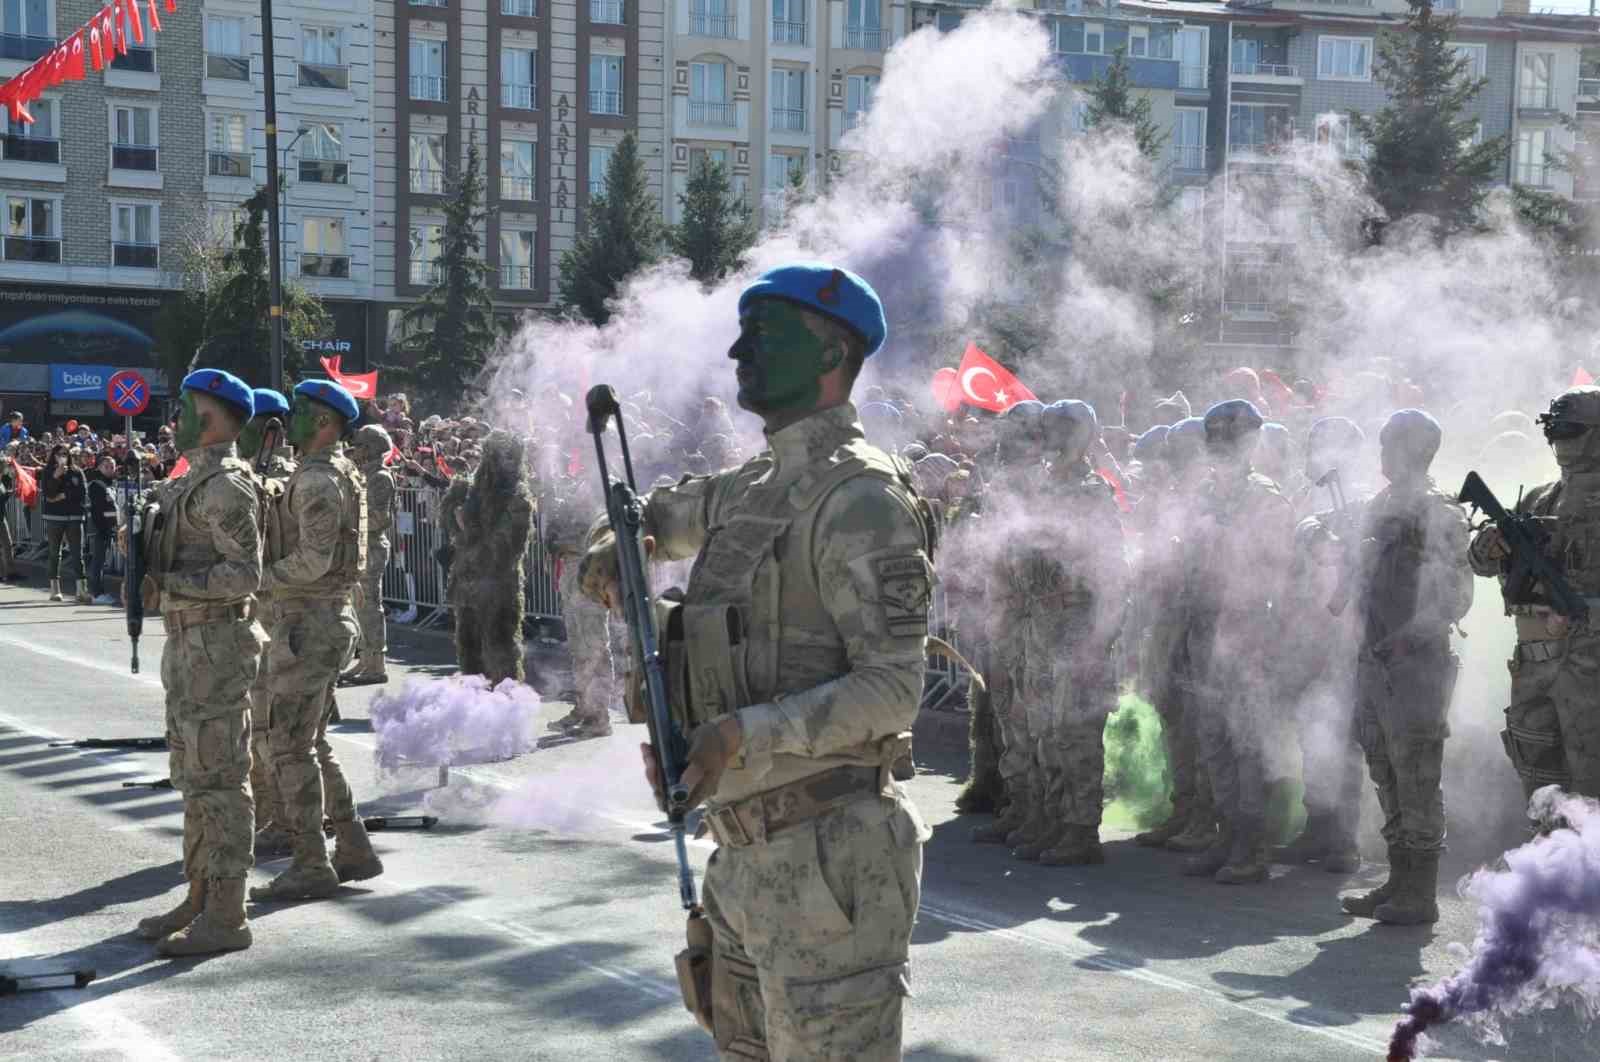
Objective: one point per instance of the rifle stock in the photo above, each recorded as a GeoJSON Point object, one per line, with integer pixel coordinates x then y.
{"type": "Point", "coordinates": [133, 579]}
{"type": "Point", "coordinates": [1527, 568]}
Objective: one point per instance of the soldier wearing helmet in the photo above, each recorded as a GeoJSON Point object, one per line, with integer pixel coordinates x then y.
{"type": "Point", "coordinates": [369, 448]}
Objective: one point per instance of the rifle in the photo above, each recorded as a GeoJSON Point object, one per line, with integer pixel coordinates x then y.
{"type": "Point", "coordinates": [133, 580]}
{"type": "Point", "coordinates": [1343, 519]}
{"type": "Point", "coordinates": [1527, 567]}
{"type": "Point", "coordinates": [159, 783]}
{"type": "Point", "coordinates": [625, 513]}
{"type": "Point", "coordinates": [271, 436]}
{"type": "Point", "coordinates": [11, 984]}
{"type": "Point", "coordinates": [155, 744]}
{"type": "Point", "coordinates": [377, 823]}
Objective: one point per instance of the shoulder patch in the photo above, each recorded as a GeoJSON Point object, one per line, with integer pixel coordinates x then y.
{"type": "Point", "coordinates": [905, 589]}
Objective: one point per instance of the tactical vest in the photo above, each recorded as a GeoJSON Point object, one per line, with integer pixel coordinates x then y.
{"type": "Point", "coordinates": [167, 547]}
{"type": "Point", "coordinates": [350, 552]}
{"type": "Point", "coordinates": [1571, 519]}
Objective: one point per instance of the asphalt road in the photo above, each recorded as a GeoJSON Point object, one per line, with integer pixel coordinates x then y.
{"type": "Point", "coordinates": [541, 925]}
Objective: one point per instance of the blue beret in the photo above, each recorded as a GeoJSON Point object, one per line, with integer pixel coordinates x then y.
{"type": "Point", "coordinates": [224, 385]}
{"type": "Point", "coordinates": [1150, 443]}
{"type": "Point", "coordinates": [879, 411]}
{"type": "Point", "coordinates": [1412, 428]}
{"type": "Point", "coordinates": [830, 291]}
{"type": "Point", "coordinates": [331, 395]}
{"type": "Point", "coordinates": [1069, 416]}
{"type": "Point", "coordinates": [1231, 419]}
{"type": "Point", "coordinates": [269, 401]}
{"type": "Point", "coordinates": [1335, 433]}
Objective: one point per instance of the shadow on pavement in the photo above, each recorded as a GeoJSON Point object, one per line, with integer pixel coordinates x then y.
{"type": "Point", "coordinates": [21, 915]}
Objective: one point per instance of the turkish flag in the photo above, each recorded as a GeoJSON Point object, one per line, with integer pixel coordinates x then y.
{"type": "Point", "coordinates": [75, 50]}
{"type": "Point", "coordinates": [360, 385]}
{"type": "Point", "coordinates": [394, 455]}
{"type": "Point", "coordinates": [27, 486]}
{"type": "Point", "coordinates": [131, 7]}
{"type": "Point", "coordinates": [155, 16]}
{"type": "Point", "coordinates": [179, 467]}
{"type": "Point", "coordinates": [443, 467]}
{"type": "Point", "coordinates": [947, 389]}
{"type": "Point", "coordinates": [985, 383]}
{"type": "Point", "coordinates": [1581, 378]}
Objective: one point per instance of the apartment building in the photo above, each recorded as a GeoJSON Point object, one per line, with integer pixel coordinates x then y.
{"type": "Point", "coordinates": [545, 89]}
{"type": "Point", "coordinates": [99, 194]}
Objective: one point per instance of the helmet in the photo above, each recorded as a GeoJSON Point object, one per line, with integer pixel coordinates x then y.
{"type": "Point", "coordinates": [1152, 444]}
{"type": "Point", "coordinates": [1228, 424]}
{"type": "Point", "coordinates": [1568, 427]}
{"type": "Point", "coordinates": [370, 443]}
{"type": "Point", "coordinates": [1409, 439]}
{"type": "Point", "coordinates": [1333, 442]}
{"type": "Point", "coordinates": [1068, 426]}
{"type": "Point", "coordinates": [1019, 431]}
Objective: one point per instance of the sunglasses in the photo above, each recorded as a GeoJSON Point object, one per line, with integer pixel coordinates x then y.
{"type": "Point", "coordinates": [1557, 430]}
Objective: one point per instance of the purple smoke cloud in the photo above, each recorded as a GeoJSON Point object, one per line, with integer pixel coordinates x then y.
{"type": "Point", "coordinates": [1538, 942]}
{"type": "Point", "coordinates": [458, 719]}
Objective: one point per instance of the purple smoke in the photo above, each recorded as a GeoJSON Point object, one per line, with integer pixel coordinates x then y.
{"type": "Point", "coordinates": [458, 719]}
{"type": "Point", "coordinates": [1536, 946]}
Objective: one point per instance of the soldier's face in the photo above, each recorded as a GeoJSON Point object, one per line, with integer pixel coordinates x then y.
{"type": "Point", "coordinates": [190, 424]}
{"type": "Point", "coordinates": [303, 422]}
{"type": "Point", "coordinates": [250, 436]}
{"type": "Point", "coordinates": [780, 358]}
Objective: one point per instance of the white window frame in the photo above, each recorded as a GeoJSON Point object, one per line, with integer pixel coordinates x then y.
{"type": "Point", "coordinates": [1331, 39]}
{"type": "Point", "coordinates": [216, 216]}
{"type": "Point", "coordinates": [242, 53]}
{"type": "Point", "coordinates": [1078, 116]}
{"type": "Point", "coordinates": [520, 95]}
{"type": "Point", "coordinates": [705, 108]}
{"type": "Point", "coordinates": [244, 154]}
{"type": "Point", "coordinates": [1549, 81]}
{"type": "Point", "coordinates": [791, 22]}
{"type": "Point", "coordinates": [597, 174]}
{"type": "Point", "coordinates": [155, 230]}
{"type": "Point", "coordinates": [1477, 49]}
{"type": "Point", "coordinates": [1338, 132]}
{"type": "Point", "coordinates": [134, 178]}
{"type": "Point", "coordinates": [785, 165]}
{"type": "Point", "coordinates": [1138, 42]}
{"type": "Point", "coordinates": [56, 201]}
{"type": "Point", "coordinates": [602, 99]}
{"type": "Point", "coordinates": [412, 168]}
{"type": "Point", "coordinates": [342, 54]}
{"type": "Point", "coordinates": [1184, 155]}
{"type": "Point", "coordinates": [530, 179]}
{"type": "Point", "coordinates": [1184, 72]}
{"type": "Point", "coordinates": [789, 75]}
{"type": "Point", "coordinates": [533, 254]}
{"type": "Point", "coordinates": [442, 77]}
{"type": "Point", "coordinates": [1540, 165]}
{"type": "Point", "coordinates": [866, 88]}
{"type": "Point", "coordinates": [1098, 29]}
{"type": "Point", "coordinates": [154, 108]}
{"type": "Point", "coordinates": [51, 15]}
{"type": "Point", "coordinates": [35, 132]}
{"type": "Point", "coordinates": [330, 223]}
{"type": "Point", "coordinates": [412, 272]}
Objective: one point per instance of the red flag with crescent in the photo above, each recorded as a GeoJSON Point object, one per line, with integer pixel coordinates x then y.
{"type": "Point", "coordinates": [361, 385]}
{"type": "Point", "coordinates": [947, 389]}
{"type": "Point", "coordinates": [985, 383]}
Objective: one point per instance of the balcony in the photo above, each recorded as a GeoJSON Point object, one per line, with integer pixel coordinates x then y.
{"type": "Point", "coordinates": [427, 87]}
{"type": "Point", "coordinates": [1533, 174]}
{"type": "Point", "coordinates": [1249, 311]}
{"type": "Point", "coordinates": [428, 3]}
{"type": "Point", "coordinates": [518, 188]}
{"type": "Point", "coordinates": [607, 11]}
{"type": "Point", "coordinates": [788, 32]}
{"type": "Point", "coordinates": [228, 163]}
{"type": "Point", "coordinates": [138, 61]}
{"type": "Point", "coordinates": [324, 171]}
{"type": "Point", "coordinates": [427, 182]}
{"type": "Point", "coordinates": [852, 119]}
{"type": "Point", "coordinates": [604, 102]}
{"type": "Point", "coordinates": [1192, 76]}
{"type": "Point", "coordinates": [865, 38]}
{"type": "Point", "coordinates": [45, 249]}
{"type": "Point", "coordinates": [1251, 70]}
{"type": "Point", "coordinates": [228, 67]}
{"type": "Point", "coordinates": [333, 266]}
{"type": "Point", "coordinates": [135, 255]}
{"type": "Point", "coordinates": [713, 24]}
{"type": "Point", "coordinates": [520, 8]}
{"type": "Point", "coordinates": [516, 277]}
{"type": "Point", "coordinates": [324, 76]}
{"type": "Point", "coordinates": [789, 119]}
{"type": "Point", "coordinates": [518, 96]}
{"type": "Point", "coordinates": [15, 148]}
{"type": "Point", "coordinates": [1190, 158]}
{"type": "Point", "coordinates": [1589, 88]}
{"type": "Point", "coordinates": [23, 47]}
{"type": "Point", "coordinates": [134, 157]}
{"type": "Point", "coordinates": [597, 187]}
{"type": "Point", "coordinates": [426, 274]}
{"type": "Point", "coordinates": [713, 113]}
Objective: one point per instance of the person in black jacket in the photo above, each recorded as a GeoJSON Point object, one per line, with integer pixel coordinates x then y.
{"type": "Point", "coordinates": [102, 524]}
{"type": "Point", "coordinates": [64, 505]}
{"type": "Point", "coordinates": [8, 489]}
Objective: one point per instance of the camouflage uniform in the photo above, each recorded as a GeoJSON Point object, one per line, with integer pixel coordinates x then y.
{"type": "Point", "coordinates": [380, 518]}
{"type": "Point", "coordinates": [806, 613]}
{"type": "Point", "coordinates": [489, 565]}
{"type": "Point", "coordinates": [263, 786]}
{"type": "Point", "coordinates": [586, 623]}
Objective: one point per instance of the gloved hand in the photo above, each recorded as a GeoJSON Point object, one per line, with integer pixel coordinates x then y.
{"type": "Point", "coordinates": [599, 578]}
{"type": "Point", "coordinates": [712, 747]}
{"type": "Point", "coordinates": [150, 592]}
{"type": "Point", "coordinates": [1490, 545]}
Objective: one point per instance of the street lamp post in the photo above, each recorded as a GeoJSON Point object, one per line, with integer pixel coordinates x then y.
{"type": "Point", "coordinates": [269, 85]}
{"type": "Point", "coordinates": [283, 193]}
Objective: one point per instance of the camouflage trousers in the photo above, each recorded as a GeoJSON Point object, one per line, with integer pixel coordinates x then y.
{"type": "Point", "coordinates": [374, 625]}
{"type": "Point", "coordinates": [589, 643]}
{"type": "Point", "coordinates": [1330, 753]}
{"type": "Point", "coordinates": [1177, 707]}
{"type": "Point", "coordinates": [1229, 704]}
{"type": "Point", "coordinates": [263, 786]}
{"type": "Point", "coordinates": [207, 671]}
{"type": "Point", "coordinates": [1402, 722]}
{"type": "Point", "coordinates": [1066, 728]}
{"type": "Point", "coordinates": [813, 935]}
{"type": "Point", "coordinates": [1552, 733]}
{"type": "Point", "coordinates": [311, 643]}
{"type": "Point", "coordinates": [1004, 676]}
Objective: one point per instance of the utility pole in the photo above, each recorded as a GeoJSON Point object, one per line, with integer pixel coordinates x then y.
{"type": "Point", "coordinates": [269, 85]}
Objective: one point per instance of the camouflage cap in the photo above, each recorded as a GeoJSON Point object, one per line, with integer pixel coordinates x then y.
{"type": "Point", "coordinates": [1576, 405]}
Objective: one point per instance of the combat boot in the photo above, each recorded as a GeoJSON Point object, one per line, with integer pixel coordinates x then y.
{"type": "Point", "coordinates": [1158, 837]}
{"type": "Point", "coordinates": [55, 589]}
{"type": "Point", "coordinates": [158, 926]}
{"type": "Point", "coordinates": [979, 796]}
{"type": "Point", "coordinates": [222, 926]}
{"type": "Point", "coordinates": [369, 670]}
{"type": "Point", "coordinates": [1314, 842]}
{"type": "Point", "coordinates": [1037, 823]}
{"type": "Point", "coordinates": [1079, 846]}
{"type": "Point", "coordinates": [1207, 862]}
{"type": "Point", "coordinates": [1247, 858]}
{"type": "Point", "coordinates": [353, 857]}
{"type": "Point", "coordinates": [591, 728]}
{"type": "Point", "coordinates": [1197, 836]}
{"type": "Point", "coordinates": [1415, 899]}
{"type": "Point", "coordinates": [309, 877]}
{"type": "Point", "coordinates": [1343, 856]}
{"type": "Point", "coordinates": [273, 841]}
{"type": "Point", "coordinates": [996, 832]}
{"type": "Point", "coordinates": [1030, 851]}
{"type": "Point", "coordinates": [1365, 905]}
{"type": "Point", "coordinates": [571, 721]}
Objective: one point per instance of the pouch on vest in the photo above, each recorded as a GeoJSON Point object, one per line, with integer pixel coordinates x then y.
{"type": "Point", "coordinates": [694, 965]}
{"type": "Point", "coordinates": [669, 629]}
{"type": "Point", "coordinates": [713, 637]}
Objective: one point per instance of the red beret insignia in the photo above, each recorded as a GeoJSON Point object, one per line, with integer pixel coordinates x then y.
{"type": "Point", "coordinates": [828, 294]}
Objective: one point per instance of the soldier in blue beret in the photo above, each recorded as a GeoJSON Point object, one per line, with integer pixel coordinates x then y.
{"type": "Point", "coordinates": [270, 405]}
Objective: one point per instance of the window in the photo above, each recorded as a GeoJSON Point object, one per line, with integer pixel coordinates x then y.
{"type": "Point", "coordinates": [518, 77]}
{"type": "Point", "coordinates": [428, 3]}
{"type": "Point", "coordinates": [1338, 132]}
{"type": "Point", "coordinates": [25, 29]}
{"type": "Point", "coordinates": [33, 229]}
{"type": "Point", "coordinates": [322, 58]}
{"type": "Point", "coordinates": [1246, 55]}
{"type": "Point", "coordinates": [789, 100]}
{"type": "Point", "coordinates": [599, 162]}
{"type": "Point", "coordinates": [133, 142]}
{"type": "Point", "coordinates": [427, 163]}
{"type": "Point", "coordinates": [427, 247]}
{"type": "Point", "coordinates": [1094, 38]}
{"type": "Point", "coordinates": [516, 170]}
{"type": "Point", "coordinates": [323, 251]}
{"type": "Point", "coordinates": [789, 21]}
{"type": "Point", "coordinates": [427, 69]}
{"type": "Point", "coordinates": [605, 84]}
{"type": "Point", "coordinates": [1161, 42]}
{"type": "Point", "coordinates": [225, 54]}
{"type": "Point", "coordinates": [858, 92]}
{"type": "Point", "coordinates": [863, 25]}
{"type": "Point", "coordinates": [224, 222]}
{"type": "Point", "coordinates": [1533, 86]}
{"type": "Point", "coordinates": [700, 156]}
{"type": "Point", "coordinates": [1138, 42]}
{"type": "Point", "coordinates": [1079, 120]}
{"type": "Point", "coordinates": [1258, 127]}
{"type": "Point", "coordinates": [1475, 54]}
{"type": "Point", "coordinates": [322, 158]}
{"type": "Point", "coordinates": [38, 142]}
{"type": "Point", "coordinates": [609, 11]}
{"type": "Point", "coordinates": [516, 259]}
{"type": "Point", "coordinates": [135, 236]}
{"type": "Point", "coordinates": [1189, 139]}
{"type": "Point", "coordinates": [1533, 165]}
{"type": "Point", "coordinates": [1002, 195]}
{"type": "Point", "coordinates": [708, 95]}
{"type": "Point", "coordinates": [1192, 45]}
{"type": "Point", "coordinates": [1250, 291]}
{"type": "Point", "coordinates": [1191, 207]}
{"type": "Point", "coordinates": [781, 174]}
{"type": "Point", "coordinates": [712, 18]}
{"type": "Point", "coordinates": [138, 58]}
{"type": "Point", "coordinates": [227, 146]}
{"type": "Point", "coordinates": [520, 8]}
{"type": "Point", "coordinates": [1344, 58]}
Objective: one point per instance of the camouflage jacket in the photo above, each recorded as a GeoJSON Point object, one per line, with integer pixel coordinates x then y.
{"type": "Point", "coordinates": [322, 516]}
{"type": "Point", "coordinates": [207, 550]}
{"type": "Point", "coordinates": [1414, 575]}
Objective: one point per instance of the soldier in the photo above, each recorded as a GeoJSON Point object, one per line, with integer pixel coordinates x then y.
{"type": "Point", "coordinates": [1236, 558]}
{"type": "Point", "coordinates": [805, 627]}
{"type": "Point", "coordinates": [487, 572]}
{"type": "Point", "coordinates": [588, 633]}
{"type": "Point", "coordinates": [1552, 733]}
{"type": "Point", "coordinates": [321, 537]}
{"type": "Point", "coordinates": [1413, 584]}
{"type": "Point", "coordinates": [272, 837]}
{"type": "Point", "coordinates": [203, 563]}
{"type": "Point", "coordinates": [370, 447]}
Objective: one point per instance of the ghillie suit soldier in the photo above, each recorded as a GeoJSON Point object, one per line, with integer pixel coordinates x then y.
{"type": "Point", "coordinates": [488, 569]}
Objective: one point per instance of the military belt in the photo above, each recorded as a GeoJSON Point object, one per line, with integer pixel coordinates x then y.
{"type": "Point", "coordinates": [198, 617]}
{"type": "Point", "coordinates": [1540, 652]}
{"type": "Point", "coordinates": [285, 605]}
{"type": "Point", "coordinates": [754, 819]}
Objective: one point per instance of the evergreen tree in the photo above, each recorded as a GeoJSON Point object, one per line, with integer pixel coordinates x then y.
{"type": "Point", "coordinates": [450, 332]}
{"type": "Point", "coordinates": [1111, 101]}
{"type": "Point", "coordinates": [1422, 159]}
{"type": "Point", "coordinates": [716, 229]}
{"type": "Point", "coordinates": [621, 233]}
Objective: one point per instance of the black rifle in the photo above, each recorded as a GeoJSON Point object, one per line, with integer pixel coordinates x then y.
{"type": "Point", "coordinates": [11, 984]}
{"type": "Point", "coordinates": [271, 436]}
{"type": "Point", "coordinates": [155, 744]}
{"type": "Point", "coordinates": [159, 783]}
{"type": "Point", "coordinates": [133, 577]}
{"type": "Point", "coordinates": [1344, 524]}
{"type": "Point", "coordinates": [625, 512]}
{"type": "Point", "coordinates": [1527, 568]}
{"type": "Point", "coordinates": [377, 823]}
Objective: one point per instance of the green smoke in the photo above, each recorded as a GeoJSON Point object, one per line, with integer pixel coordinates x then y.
{"type": "Point", "coordinates": [1138, 781]}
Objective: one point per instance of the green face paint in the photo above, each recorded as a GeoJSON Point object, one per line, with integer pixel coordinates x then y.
{"type": "Point", "coordinates": [780, 358]}
{"type": "Point", "coordinates": [303, 422]}
{"type": "Point", "coordinates": [187, 434]}
{"type": "Point", "coordinates": [250, 437]}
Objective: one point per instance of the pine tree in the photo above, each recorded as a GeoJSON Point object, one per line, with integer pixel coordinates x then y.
{"type": "Point", "coordinates": [450, 332]}
{"type": "Point", "coordinates": [716, 229]}
{"type": "Point", "coordinates": [1112, 103]}
{"type": "Point", "coordinates": [1422, 159]}
{"type": "Point", "coordinates": [621, 233]}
